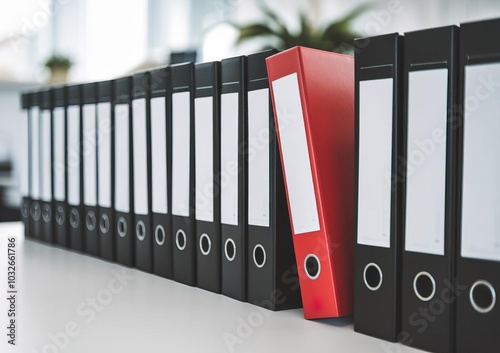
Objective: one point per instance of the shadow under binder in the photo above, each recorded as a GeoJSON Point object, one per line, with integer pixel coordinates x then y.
{"type": "Point", "coordinates": [106, 228]}
{"type": "Point", "coordinates": [61, 223]}
{"type": "Point", "coordinates": [90, 227]}
{"type": "Point", "coordinates": [124, 237]}
{"type": "Point", "coordinates": [143, 242]}
{"type": "Point", "coordinates": [162, 246]}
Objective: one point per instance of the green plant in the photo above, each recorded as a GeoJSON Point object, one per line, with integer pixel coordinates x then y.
{"type": "Point", "coordinates": [58, 62]}
{"type": "Point", "coordinates": [336, 36]}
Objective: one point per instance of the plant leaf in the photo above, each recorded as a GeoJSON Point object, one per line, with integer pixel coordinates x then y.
{"type": "Point", "coordinates": [251, 31]}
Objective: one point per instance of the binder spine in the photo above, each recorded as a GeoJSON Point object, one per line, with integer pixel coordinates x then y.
{"type": "Point", "coordinates": [183, 222]}
{"type": "Point", "coordinates": [123, 181]}
{"type": "Point", "coordinates": [233, 221]}
{"type": "Point", "coordinates": [45, 151]}
{"type": "Point", "coordinates": [207, 141]}
{"type": "Point", "coordinates": [89, 154]}
{"type": "Point", "coordinates": [59, 171]}
{"type": "Point", "coordinates": [142, 171]}
{"type": "Point", "coordinates": [24, 207]}
{"type": "Point", "coordinates": [35, 210]}
{"type": "Point", "coordinates": [105, 170]}
{"type": "Point", "coordinates": [161, 172]}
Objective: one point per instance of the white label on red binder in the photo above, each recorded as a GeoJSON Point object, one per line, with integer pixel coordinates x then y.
{"type": "Point", "coordinates": [481, 165]}
{"type": "Point", "coordinates": [295, 152]}
{"type": "Point", "coordinates": [229, 158]}
{"type": "Point", "coordinates": [140, 154]}
{"type": "Point", "coordinates": [59, 153]}
{"type": "Point", "coordinates": [24, 156]}
{"type": "Point", "coordinates": [180, 153]}
{"type": "Point", "coordinates": [89, 150]}
{"type": "Point", "coordinates": [122, 155]}
{"type": "Point", "coordinates": [375, 157]}
{"type": "Point", "coordinates": [159, 153]}
{"type": "Point", "coordinates": [426, 161]}
{"type": "Point", "coordinates": [104, 153]}
{"type": "Point", "coordinates": [73, 154]}
{"type": "Point", "coordinates": [35, 153]}
{"type": "Point", "coordinates": [204, 166]}
{"type": "Point", "coordinates": [46, 155]}
{"type": "Point", "coordinates": [258, 157]}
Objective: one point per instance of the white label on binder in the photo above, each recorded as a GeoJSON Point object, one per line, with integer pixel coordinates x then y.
{"type": "Point", "coordinates": [59, 129]}
{"type": "Point", "coordinates": [89, 150]}
{"type": "Point", "coordinates": [229, 158]}
{"type": "Point", "coordinates": [35, 153]}
{"type": "Point", "coordinates": [258, 157]}
{"type": "Point", "coordinates": [481, 165]}
{"type": "Point", "coordinates": [73, 154]}
{"type": "Point", "coordinates": [140, 154]}
{"type": "Point", "coordinates": [204, 147]}
{"type": "Point", "coordinates": [297, 165]}
{"type": "Point", "coordinates": [375, 157]}
{"type": "Point", "coordinates": [159, 153]}
{"type": "Point", "coordinates": [426, 161]}
{"type": "Point", "coordinates": [104, 153]}
{"type": "Point", "coordinates": [180, 153]}
{"type": "Point", "coordinates": [24, 156]}
{"type": "Point", "coordinates": [122, 155]}
{"type": "Point", "coordinates": [46, 156]}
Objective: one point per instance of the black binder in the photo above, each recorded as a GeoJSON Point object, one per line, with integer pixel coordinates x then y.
{"type": "Point", "coordinates": [161, 172]}
{"type": "Point", "coordinates": [89, 154]}
{"type": "Point", "coordinates": [59, 169]}
{"type": "Point", "coordinates": [35, 210]}
{"type": "Point", "coordinates": [377, 274]}
{"type": "Point", "coordinates": [207, 183]}
{"type": "Point", "coordinates": [234, 164]}
{"type": "Point", "coordinates": [24, 176]}
{"type": "Point", "coordinates": [46, 165]}
{"type": "Point", "coordinates": [183, 223]}
{"type": "Point", "coordinates": [478, 254]}
{"type": "Point", "coordinates": [270, 253]}
{"type": "Point", "coordinates": [430, 64]}
{"type": "Point", "coordinates": [141, 123]}
{"type": "Point", "coordinates": [123, 172]}
{"type": "Point", "coordinates": [105, 169]}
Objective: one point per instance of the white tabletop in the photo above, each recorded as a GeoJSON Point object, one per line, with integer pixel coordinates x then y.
{"type": "Point", "coordinates": [142, 313]}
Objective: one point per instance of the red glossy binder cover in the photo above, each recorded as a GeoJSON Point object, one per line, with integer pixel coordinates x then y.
{"type": "Point", "coordinates": [313, 101]}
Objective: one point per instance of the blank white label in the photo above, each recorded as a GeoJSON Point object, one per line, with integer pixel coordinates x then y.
{"type": "Point", "coordinates": [89, 150]}
{"type": "Point", "coordinates": [204, 146]}
{"type": "Point", "coordinates": [180, 153]}
{"type": "Point", "coordinates": [122, 155]}
{"type": "Point", "coordinates": [23, 156]}
{"type": "Point", "coordinates": [159, 154]}
{"type": "Point", "coordinates": [35, 153]}
{"type": "Point", "coordinates": [258, 157]}
{"type": "Point", "coordinates": [481, 164]}
{"type": "Point", "coordinates": [295, 152]}
{"type": "Point", "coordinates": [229, 158]}
{"type": "Point", "coordinates": [46, 156]}
{"type": "Point", "coordinates": [73, 164]}
{"type": "Point", "coordinates": [59, 129]}
{"type": "Point", "coordinates": [375, 156]}
{"type": "Point", "coordinates": [104, 153]}
{"type": "Point", "coordinates": [140, 153]}
{"type": "Point", "coordinates": [426, 161]}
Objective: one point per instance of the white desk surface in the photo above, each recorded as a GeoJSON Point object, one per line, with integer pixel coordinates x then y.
{"type": "Point", "coordinates": [149, 313]}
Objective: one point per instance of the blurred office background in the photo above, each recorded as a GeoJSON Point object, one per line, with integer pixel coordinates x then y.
{"type": "Point", "coordinates": [108, 38]}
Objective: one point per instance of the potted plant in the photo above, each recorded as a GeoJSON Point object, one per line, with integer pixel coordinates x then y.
{"type": "Point", "coordinates": [335, 36]}
{"type": "Point", "coordinates": [59, 66]}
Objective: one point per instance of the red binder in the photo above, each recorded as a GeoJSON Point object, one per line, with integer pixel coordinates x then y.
{"type": "Point", "coordinates": [313, 101]}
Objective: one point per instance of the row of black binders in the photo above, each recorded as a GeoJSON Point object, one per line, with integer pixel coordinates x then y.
{"type": "Point", "coordinates": [428, 193]}
{"type": "Point", "coordinates": [175, 171]}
